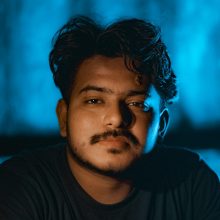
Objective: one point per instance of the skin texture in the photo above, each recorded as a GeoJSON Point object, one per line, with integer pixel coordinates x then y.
{"type": "Point", "coordinates": [109, 122]}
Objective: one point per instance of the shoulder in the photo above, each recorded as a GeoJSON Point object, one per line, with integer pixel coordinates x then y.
{"type": "Point", "coordinates": [168, 167]}
{"type": "Point", "coordinates": [186, 173]}
{"type": "Point", "coordinates": [27, 177]}
{"type": "Point", "coordinates": [31, 158]}
{"type": "Point", "coordinates": [176, 158]}
{"type": "Point", "coordinates": [184, 162]}
{"type": "Point", "coordinates": [30, 167]}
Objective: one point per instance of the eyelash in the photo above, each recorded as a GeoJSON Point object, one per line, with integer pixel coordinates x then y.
{"type": "Point", "coordinates": [93, 101]}
{"type": "Point", "coordinates": [140, 105]}
{"type": "Point", "coordinates": [136, 104]}
{"type": "Point", "coordinates": [143, 106]}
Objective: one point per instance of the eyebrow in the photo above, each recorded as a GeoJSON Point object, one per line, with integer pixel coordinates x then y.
{"type": "Point", "coordinates": [138, 92]}
{"type": "Point", "coordinates": [109, 91]}
{"type": "Point", "coordinates": [95, 88]}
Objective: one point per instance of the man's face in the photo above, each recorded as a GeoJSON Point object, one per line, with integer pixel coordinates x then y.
{"type": "Point", "coordinates": [112, 117]}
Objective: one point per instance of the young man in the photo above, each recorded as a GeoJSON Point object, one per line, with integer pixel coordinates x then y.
{"type": "Point", "coordinates": [116, 83]}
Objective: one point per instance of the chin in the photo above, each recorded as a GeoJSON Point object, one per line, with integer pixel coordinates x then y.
{"type": "Point", "coordinates": [110, 162]}
{"type": "Point", "coordinates": [113, 163]}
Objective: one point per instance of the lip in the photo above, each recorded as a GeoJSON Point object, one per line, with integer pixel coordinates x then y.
{"type": "Point", "coordinates": [116, 142]}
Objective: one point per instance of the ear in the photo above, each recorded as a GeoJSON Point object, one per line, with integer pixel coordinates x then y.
{"type": "Point", "coordinates": [164, 122]}
{"type": "Point", "coordinates": [61, 111]}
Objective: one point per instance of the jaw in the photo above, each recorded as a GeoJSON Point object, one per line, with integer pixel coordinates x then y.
{"type": "Point", "coordinates": [104, 161]}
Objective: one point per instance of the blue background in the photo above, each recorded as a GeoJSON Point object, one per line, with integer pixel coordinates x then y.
{"type": "Point", "coordinates": [190, 28]}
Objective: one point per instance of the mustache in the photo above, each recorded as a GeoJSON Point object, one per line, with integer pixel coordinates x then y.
{"type": "Point", "coordinates": [114, 133]}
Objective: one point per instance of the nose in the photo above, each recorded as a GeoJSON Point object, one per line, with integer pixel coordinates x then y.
{"type": "Point", "coordinates": [118, 115]}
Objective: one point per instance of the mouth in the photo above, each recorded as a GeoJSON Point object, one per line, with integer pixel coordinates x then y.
{"type": "Point", "coordinates": [115, 136]}
{"type": "Point", "coordinates": [118, 142]}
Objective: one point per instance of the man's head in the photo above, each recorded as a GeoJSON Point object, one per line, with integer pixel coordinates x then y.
{"type": "Point", "coordinates": [116, 82]}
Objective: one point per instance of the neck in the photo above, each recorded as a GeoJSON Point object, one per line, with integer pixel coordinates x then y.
{"type": "Point", "coordinates": [103, 189]}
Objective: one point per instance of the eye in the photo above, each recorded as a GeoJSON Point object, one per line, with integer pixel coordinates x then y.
{"type": "Point", "coordinates": [137, 104]}
{"type": "Point", "coordinates": [94, 101]}
{"type": "Point", "coordinates": [141, 105]}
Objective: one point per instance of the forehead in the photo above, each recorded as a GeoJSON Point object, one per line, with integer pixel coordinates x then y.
{"type": "Point", "coordinates": [110, 73]}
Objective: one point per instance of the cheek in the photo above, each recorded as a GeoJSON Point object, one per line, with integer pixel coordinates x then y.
{"type": "Point", "coordinates": [82, 125]}
{"type": "Point", "coordinates": [146, 130]}
{"type": "Point", "coordinates": [141, 128]}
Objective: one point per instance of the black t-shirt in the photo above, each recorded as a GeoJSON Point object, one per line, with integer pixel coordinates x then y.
{"type": "Point", "coordinates": [169, 183]}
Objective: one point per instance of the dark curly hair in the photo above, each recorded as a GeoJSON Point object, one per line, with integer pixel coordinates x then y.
{"type": "Point", "coordinates": [137, 41]}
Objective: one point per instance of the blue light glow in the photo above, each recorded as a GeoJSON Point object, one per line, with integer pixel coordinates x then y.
{"type": "Point", "coordinates": [28, 95]}
{"type": "Point", "coordinates": [212, 158]}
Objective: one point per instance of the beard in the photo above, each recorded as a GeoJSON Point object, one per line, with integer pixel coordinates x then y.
{"type": "Point", "coordinates": [90, 166]}
{"type": "Point", "coordinates": [108, 171]}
